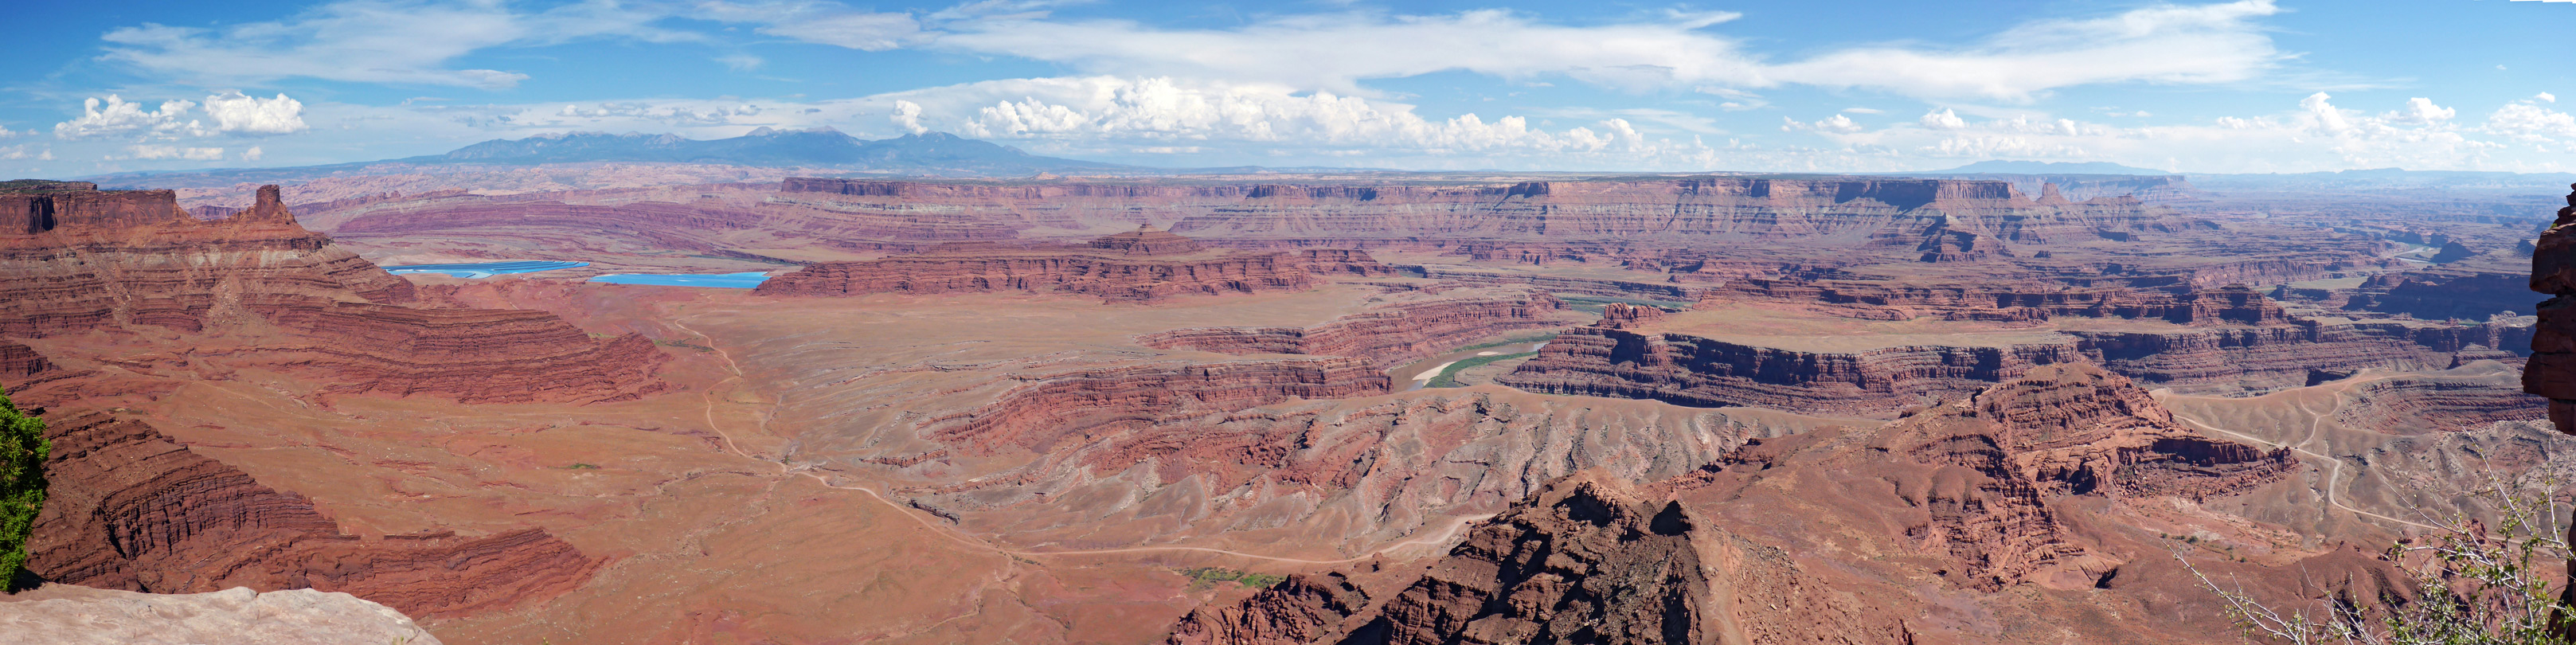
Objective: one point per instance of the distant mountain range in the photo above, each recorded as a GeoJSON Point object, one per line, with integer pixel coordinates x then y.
{"type": "Point", "coordinates": [936, 153]}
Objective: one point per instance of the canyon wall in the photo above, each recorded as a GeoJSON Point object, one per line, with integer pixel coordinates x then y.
{"type": "Point", "coordinates": [259, 287]}
{"type": "Point", "coordinates": [129, 509]}
{"type": "Point", "coordinates": [1728, 207]}
{"type": "Point", "coordinates": [1130, 267]}
{"type": "Point", "coordinates": [1693, 370]}
{"type": "Point", "coordinates": [1412, 326]}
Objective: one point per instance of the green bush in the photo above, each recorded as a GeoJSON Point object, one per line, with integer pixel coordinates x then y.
{"type": "Point", "coordinates": [23, 449]}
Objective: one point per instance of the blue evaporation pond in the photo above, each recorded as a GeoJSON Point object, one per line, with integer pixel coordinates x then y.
{"type": "Point", "coordinates": [744, 280]}
{"type": "Point", "coordinates": [485, 269]}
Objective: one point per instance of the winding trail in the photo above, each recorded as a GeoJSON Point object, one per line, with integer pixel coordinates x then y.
{"type": "Point", "coordinates": [1456, 525]}
{"type": "Point", "coordinates": [2334, 474]}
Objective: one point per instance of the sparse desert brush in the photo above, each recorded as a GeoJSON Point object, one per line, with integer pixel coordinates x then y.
{"type": "Point", "coordinates": [2467, 583]}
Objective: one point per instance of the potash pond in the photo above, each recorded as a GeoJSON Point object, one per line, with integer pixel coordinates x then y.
{"type": "Point", "coordinates": [486, 269]}
{"type": "Point", "coordinates": [744, 280]}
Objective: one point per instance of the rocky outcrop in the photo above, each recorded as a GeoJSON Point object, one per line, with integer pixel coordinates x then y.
{"type": "Point", "coordinates": [2424, 404]}
{"type": "Point", "coordinates": [1055, 408]}
{"type": "Point", "coordinates": [1977, 476]}
{"type": "Point", "coordinates": [1696, 371]}
{"type": "Point", "coordinates": [472, 355]}
{"type": "Point", "coordinates": [1624, 360]}
{"type": "Point", "coordinates": [1584, 559]}
{"type": "Point", "coordinates": [1147, 240]}
{"type": "Point", "coordinates": [1129, 267]}
{"type": "Point", "coordinates": [1580, 561]}
{"type": "Point", "coordinates": [1410, 326]}
{"type": "Point", "coordinates": [120, 260]}
{"type": "Point", "coordinates": [129, 509]}
{"type": "Point", "coordinates": [2230, 305]}
{"type": "Point", "coordinates": [74, 616]}
{"type": "Point", "coordinates": [2437, 295]}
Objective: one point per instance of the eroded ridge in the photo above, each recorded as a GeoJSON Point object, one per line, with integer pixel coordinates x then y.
{"type": "Point", "coordinates": [130, 509]}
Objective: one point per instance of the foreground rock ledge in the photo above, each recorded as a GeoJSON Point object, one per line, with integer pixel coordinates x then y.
{"type": "Point", "coordinates": [83, 616]}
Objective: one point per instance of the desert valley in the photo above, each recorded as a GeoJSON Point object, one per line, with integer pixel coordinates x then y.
{"type": "Point", "coordinates": [1031, 322]}
{"type": "Point", "coordinates": [1405, 409]}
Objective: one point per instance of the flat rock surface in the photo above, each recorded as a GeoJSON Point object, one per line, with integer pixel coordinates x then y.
{"type": "Point", "coordinates": [71, 615]}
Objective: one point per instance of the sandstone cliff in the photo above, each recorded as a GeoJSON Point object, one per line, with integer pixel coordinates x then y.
{"type": "Point", "coordinates": [1407, 327]}
{"type": "Point", "coordinates": [1109, 268]}
{"type": "Point", "coordinates": [1617, 359]}
{"type": "Point", "coordinates": [258, 286]}
{"type": "Point", "coordinates": [129, 509]}
{"type": "Point", "coordinates": [2552, 370]}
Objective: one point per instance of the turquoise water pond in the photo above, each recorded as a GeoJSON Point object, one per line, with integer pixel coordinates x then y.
{"type": "Point", "coordinates": [485, 269]}
{"type": "Point", "coordinates": [744, 280]}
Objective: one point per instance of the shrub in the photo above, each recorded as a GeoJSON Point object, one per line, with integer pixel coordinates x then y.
{"type": "Point", "coordinates": [23, 450]}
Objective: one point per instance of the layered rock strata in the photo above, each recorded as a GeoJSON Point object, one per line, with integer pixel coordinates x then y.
{"type": "Point", "coordinates": [1686, 369]}
{"type": "Point", "coordinates": [2422, 404]}
{"type": "Point", "coordinates": [129, 509]}
{"type": "Point", "coordinates": [1734, 207]}
{"type": "Point", "coordinates": [1055, 408]}
{"type": "Point", "coordinates": [1410, 327]}
{"type": "Point", "coordinates": [1110, 269]}
{"type": "Point", "coordinates": [2552, 370]}
{"type": "Point", "coordinates": [2231, 305]}
{"type": "Point", "coordinates": [1975, 496]}
{"type": "Point", "coordinates": [77, 261]}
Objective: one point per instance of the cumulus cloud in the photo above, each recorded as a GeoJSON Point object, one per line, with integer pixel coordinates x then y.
{"type": "Point", "coordinates": [115, 117]}
{"type": "Point", "coordinates": [1161, 110]}
{"type": "Point", "coordinates": [907, 115]}
{"type": "Point", "coordinates": [236, 113]}
{"type": "Point", "coordinates": [2315, 135]}
{"type": "Point", "coordinates": [20, 152]}
{"type": "Point", "coordinates": [376, 41]}
{"type": "Point", "coordinates": [232, 113]}
{"type": "Point", "coordinates": [252, 154]}
{"type": "Point", "coordinates": [158, 152]}
{"type": "Point", "coordinates": [1837, 124]}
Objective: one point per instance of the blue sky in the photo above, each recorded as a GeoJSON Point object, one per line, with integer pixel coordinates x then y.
{"type": "Point", "coordinates": [2238, 86]}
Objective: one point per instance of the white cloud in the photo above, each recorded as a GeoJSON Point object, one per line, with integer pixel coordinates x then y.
{"type": "Point", "coordinates": [155, 152]}
{"type": "Point", "coordinates": [232, 113]}
{"type": "Point", "coordinates": [1836, 124]}
{"type": "Point", "coordinates": [2420, 111]}
{"type": "Point", "coordinates": [1863, 110]}
{"type": "Point", "coordinates": [1114, 109]}
{"type": "Point", "coordinates": [741, 62]}
{"type": "Point", "coordinates": [2545, 97]}
{"type": "Point", "coordinates": [1945, 119]}
{"type": "Point", "coordinates": [2528, 122]}
{"type": "Point", "coordinates": [2215, 43]}
{"type": "Point", "coordinates": [907, 115]}
{"type": "Point", "coordinates": [115, 117]}
{"type": "Point", "coordinates": [375, 41]}
{"type": "Point", "coordinates": [252, 154]}
{"type": "Point", "coordinates": [236, 113]}
{"type": "Point", "coordinates": [20, 152]}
